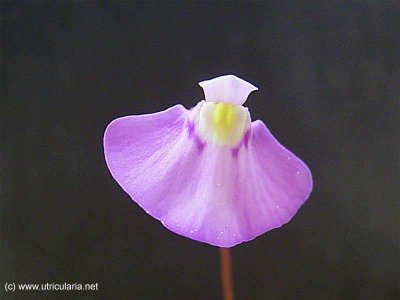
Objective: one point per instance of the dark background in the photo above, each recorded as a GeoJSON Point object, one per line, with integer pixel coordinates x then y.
{"type": "Point", "coordinates": [328, 78]}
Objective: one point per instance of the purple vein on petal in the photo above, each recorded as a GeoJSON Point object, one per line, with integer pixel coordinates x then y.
{"type": "Point", "coordinates": [192, 134]}
{"type": "Point", "coordinates": [244, 142]}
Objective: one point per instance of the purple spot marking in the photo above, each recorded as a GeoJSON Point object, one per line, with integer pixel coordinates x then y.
{"type": "Point", "coordinates": [191, 133]}
{"type": "Point", "coordinates": [190, 128]}
{"type": "Point", "coordinates": [235, 152]}
{"type": "Point", "coordinates": [246, 138]}
{"type": "Point", "coordinates": [245, 142]}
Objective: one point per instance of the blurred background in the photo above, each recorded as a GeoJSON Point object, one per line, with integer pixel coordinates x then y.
{"type": "Point", "coordinates": [328, 77]}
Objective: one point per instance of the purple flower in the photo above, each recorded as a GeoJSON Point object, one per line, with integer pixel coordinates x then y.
{"type": "Point", "coordinates": [208, 173]}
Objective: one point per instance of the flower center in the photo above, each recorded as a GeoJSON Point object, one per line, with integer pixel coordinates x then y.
{"type": "Point", "coordinates": [222, 124]}
{"type": "Point", "coordinates": [224, 117]}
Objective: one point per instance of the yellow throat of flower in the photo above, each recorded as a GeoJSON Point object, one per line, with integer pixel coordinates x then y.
{"type": "Point", "coordinates": [221, 123]}
{"type": "Point", "coordinates": [224, 117]}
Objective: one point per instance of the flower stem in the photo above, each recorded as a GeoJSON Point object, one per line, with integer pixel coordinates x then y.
{"type": "Point", "coordinates": [226, 273]}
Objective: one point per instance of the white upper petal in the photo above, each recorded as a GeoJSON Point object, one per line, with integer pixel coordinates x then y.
{"type": "Point", "coordinates": [227, 89]}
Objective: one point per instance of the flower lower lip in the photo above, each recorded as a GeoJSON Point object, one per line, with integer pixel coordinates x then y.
{"type": "Point", "coordinates": [198, 190]}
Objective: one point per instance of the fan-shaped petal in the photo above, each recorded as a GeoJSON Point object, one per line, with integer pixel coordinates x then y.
{"type": "Point", "coordinates": [218, 195]}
